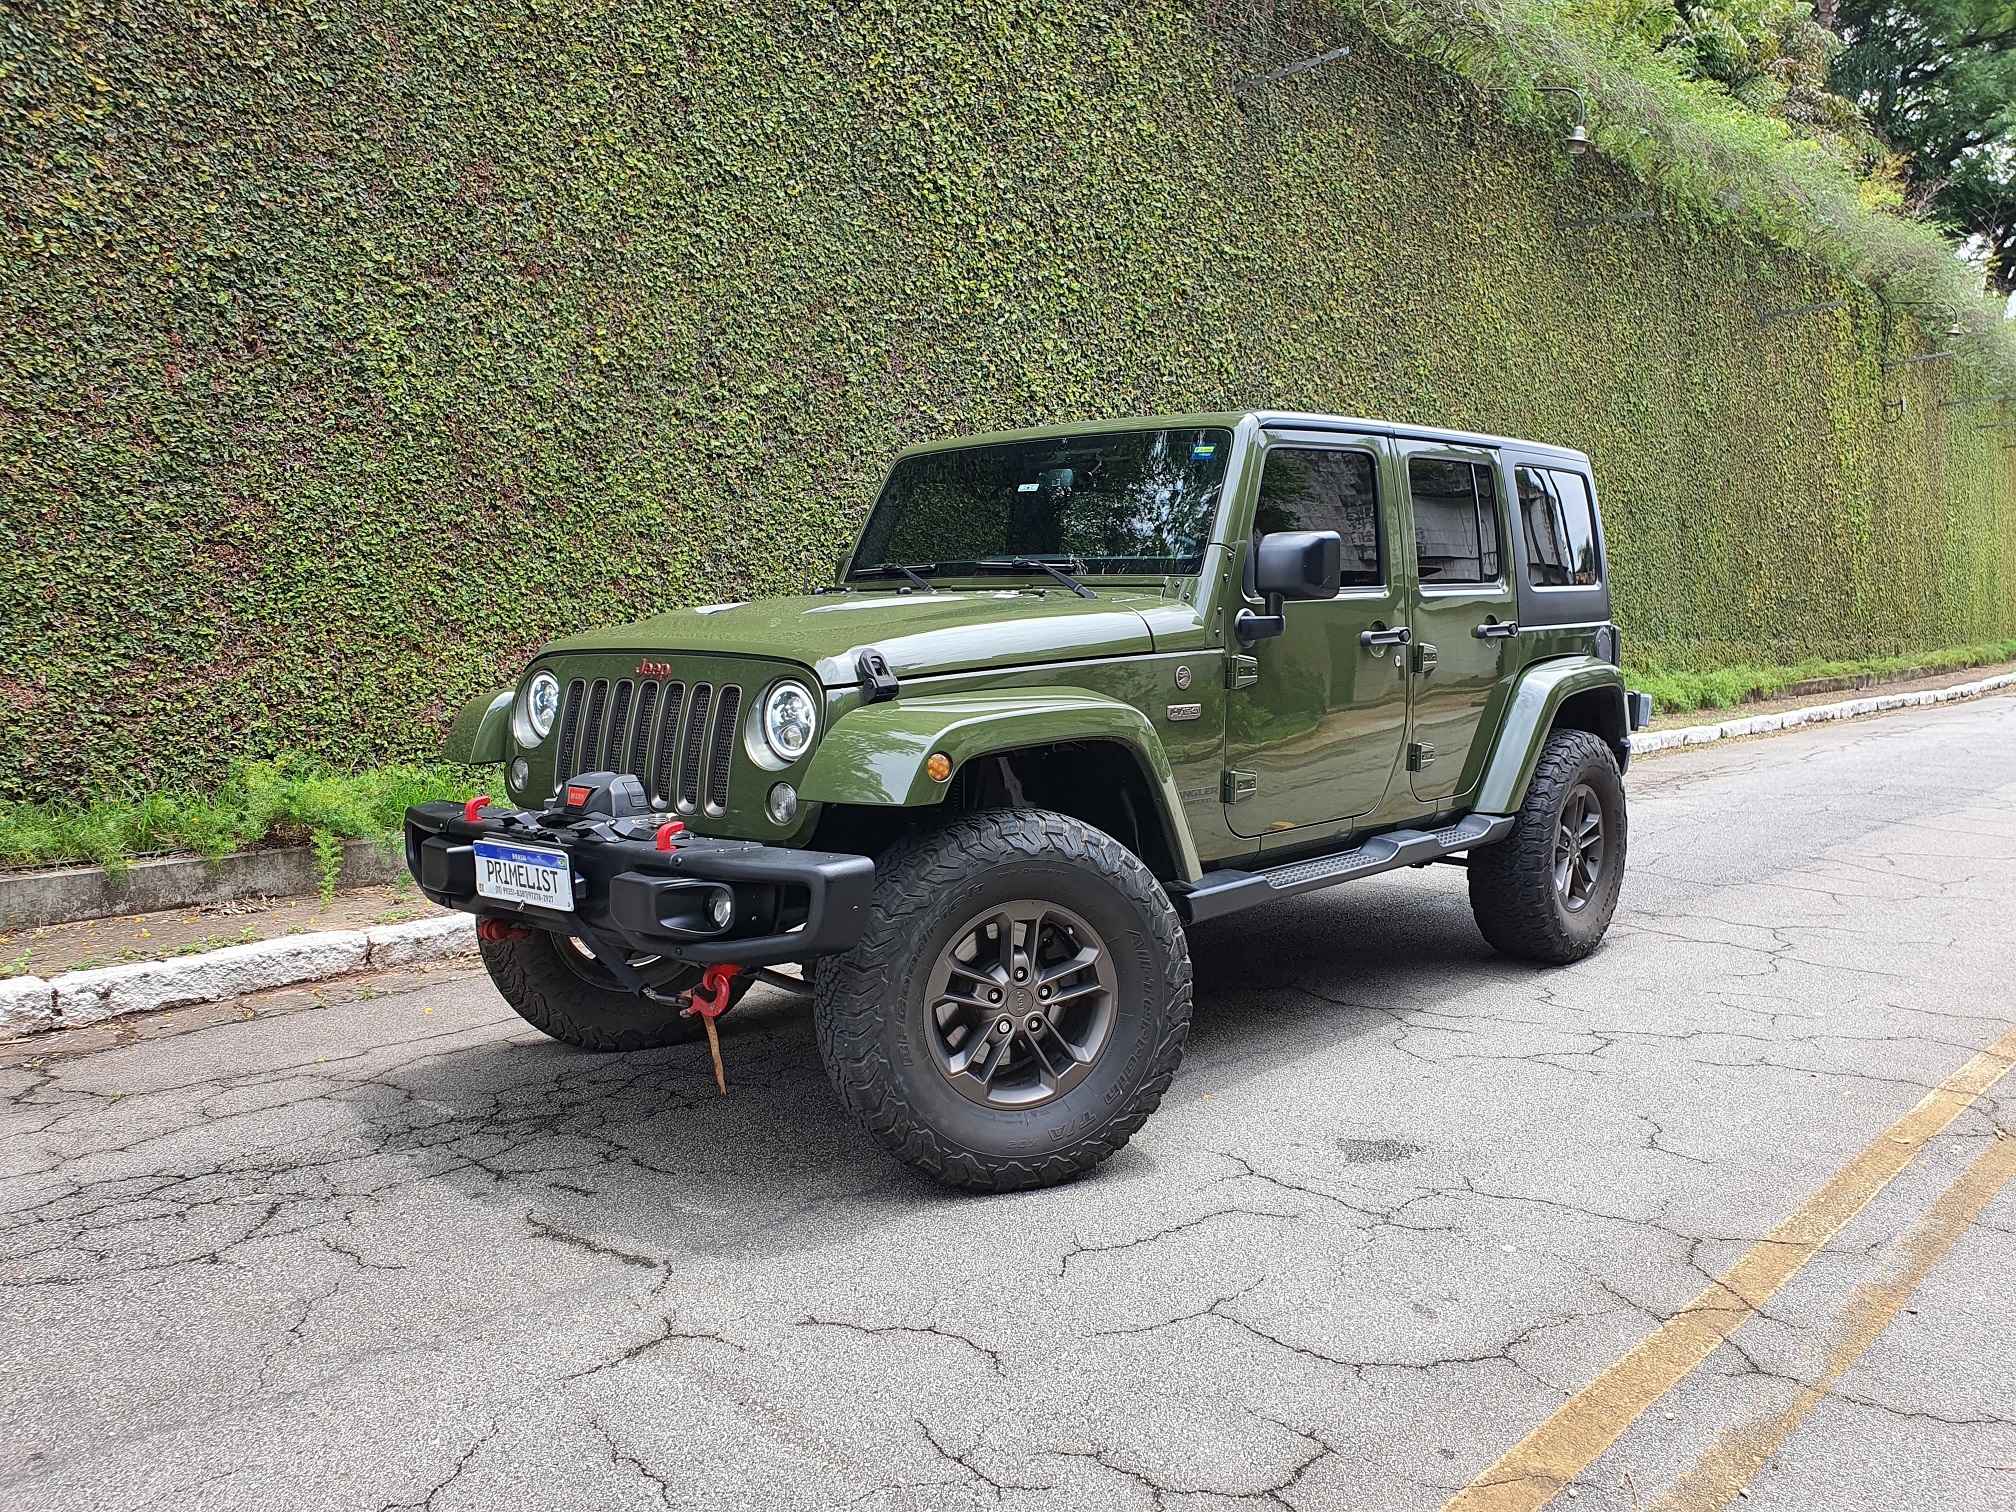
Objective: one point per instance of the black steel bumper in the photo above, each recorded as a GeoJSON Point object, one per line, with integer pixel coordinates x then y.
{"type": "Point", "coordinates": [789, 905]}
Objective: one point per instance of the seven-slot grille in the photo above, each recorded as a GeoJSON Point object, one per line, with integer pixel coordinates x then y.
{"type": "Point", "coordinates": [663, 733]}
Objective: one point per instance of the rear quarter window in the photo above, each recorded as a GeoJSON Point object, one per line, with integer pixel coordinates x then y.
{"type": "Point", "coordinates": [1559, 523]}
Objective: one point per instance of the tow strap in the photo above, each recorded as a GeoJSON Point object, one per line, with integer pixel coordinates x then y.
{"type": "Point", "coordinates": [710, 1001]}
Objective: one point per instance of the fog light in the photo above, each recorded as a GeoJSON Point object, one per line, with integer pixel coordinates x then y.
{"type": "Point", "coordinates": [782, 803]}
{"type": "Point", "coordinates": [521, 773]}
{"type": "Point", "coordinates": [722, 910]}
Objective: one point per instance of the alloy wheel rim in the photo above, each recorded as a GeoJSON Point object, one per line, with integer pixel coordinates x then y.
{"type": "Point", "coordinates": [1020, 1004]}
{"type": "Point", "coordinates": [1579, 848]}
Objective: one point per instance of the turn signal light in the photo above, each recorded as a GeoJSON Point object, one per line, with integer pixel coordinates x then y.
{"type": "Point", "coordinates": [939, 767]}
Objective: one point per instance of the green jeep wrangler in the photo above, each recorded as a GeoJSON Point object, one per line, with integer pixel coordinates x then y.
{"type": "Point", "coordinates": [1073, 690]}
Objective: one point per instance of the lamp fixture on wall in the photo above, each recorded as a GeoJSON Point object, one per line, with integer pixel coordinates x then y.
{"type": "Point", "coordinates": [1577, 140]}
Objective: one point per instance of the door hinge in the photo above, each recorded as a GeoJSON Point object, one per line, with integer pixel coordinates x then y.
{"type": "Point", "coordinates": [1236, 787]}
{"type": "Point", "coordinates": [1425, 660]}
{"type": "Point", "coordinates": [1420, 756]}
{"type": "Point", "coordinates": [1241, 671]}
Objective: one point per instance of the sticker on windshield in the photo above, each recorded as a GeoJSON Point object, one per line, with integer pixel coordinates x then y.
{"type": "Point", "coordinates": [1203, 451]}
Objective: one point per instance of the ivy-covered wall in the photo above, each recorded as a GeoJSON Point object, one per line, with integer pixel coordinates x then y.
{"type": "Point", "coordinates": [353, 347]}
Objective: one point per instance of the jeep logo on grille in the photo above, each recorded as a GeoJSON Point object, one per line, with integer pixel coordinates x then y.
{"type": "Point", "coordinates": [654, 669]}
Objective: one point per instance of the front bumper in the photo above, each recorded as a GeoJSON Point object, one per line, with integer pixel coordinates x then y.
{"type": "Point", "coordinates": [789, 905]}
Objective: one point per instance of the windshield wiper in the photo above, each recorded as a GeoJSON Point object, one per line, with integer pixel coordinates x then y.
{"type": "Point", "coordinates": [897, 569]}
{"type": "Point", "coordinates": [1034, 564]}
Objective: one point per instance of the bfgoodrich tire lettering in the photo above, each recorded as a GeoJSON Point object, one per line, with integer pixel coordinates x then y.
{"type": "Point", "coordinates": [1547, 891]}
{"type": "Point", "coordinates": [562, 992]}
{"type": "Point", "coordinates": [875, 1017]}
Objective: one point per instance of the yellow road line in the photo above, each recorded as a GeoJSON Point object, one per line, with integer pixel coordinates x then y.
{"type": "Point", "coordinates": [1740, 1452]}
{"type": "Point", "coordinates": [1534, 1470]}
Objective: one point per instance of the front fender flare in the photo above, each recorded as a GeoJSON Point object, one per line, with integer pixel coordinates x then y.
{"type": "Point", "coordinates": [481, 733]}
{"type": "Point", "coordinates": [876, 754]}
{"type": "Point", "coordinates": [1529, 717]}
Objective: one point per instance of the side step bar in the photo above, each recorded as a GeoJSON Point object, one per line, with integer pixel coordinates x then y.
{"type": "Point", "coordinates": [1224, 892]}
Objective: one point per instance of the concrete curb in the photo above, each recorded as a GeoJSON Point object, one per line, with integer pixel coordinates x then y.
{"type": "Point", "coordinates": [30, 1005]}
{"type": "Point", "coordinates": [66, 894]}
{"type": "Point", "coordinates": [1645, 743]}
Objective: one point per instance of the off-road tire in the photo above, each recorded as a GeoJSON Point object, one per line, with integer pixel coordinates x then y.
{"type": "Point", "coordinates": [1512, 883]}
{"type": "Point", "coordinates": [559, 1000]}
{"type": "Point", "coordinates": [872, 1016]}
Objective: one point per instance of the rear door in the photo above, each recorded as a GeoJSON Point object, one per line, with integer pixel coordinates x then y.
{"type": "Point", "coordinates": [1315, 719]}
{"type": "Point", "coordinates": [1464, 613]}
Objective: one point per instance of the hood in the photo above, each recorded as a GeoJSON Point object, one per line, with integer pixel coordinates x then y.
{"type": "Point", "coordinates": [955, 630]}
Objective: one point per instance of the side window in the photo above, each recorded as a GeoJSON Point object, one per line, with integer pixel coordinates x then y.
{"type": "Point", "coordinates": [1560, 526]}
{"type": "Point", "coordinates": [1455, 520]}
{"type": "Point", "coordinates": [1308, 489]}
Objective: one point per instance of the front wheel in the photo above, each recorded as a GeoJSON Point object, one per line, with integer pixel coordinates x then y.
{"type": "Point", "coordinates": [1547, 891]}
{"type": "Point", "coordinates": [1017, 1007]}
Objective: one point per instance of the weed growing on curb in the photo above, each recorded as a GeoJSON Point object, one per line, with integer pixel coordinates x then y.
{"type": "Point", "coordinates": [1678, 692]}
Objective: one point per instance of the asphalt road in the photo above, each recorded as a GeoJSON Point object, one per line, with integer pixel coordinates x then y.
{"type": "Point", "coordinates": [1404, 1203]}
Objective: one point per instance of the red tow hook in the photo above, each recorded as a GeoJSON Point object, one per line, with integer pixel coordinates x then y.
{"type": "Point", "coordinates": [475, 806]}
{"type": "Point", "coordinates": [710, 1001]}
{"type": "Point", "coordinates": [495, 930]}
{"type": "Point", "coordinates": [667, 831]}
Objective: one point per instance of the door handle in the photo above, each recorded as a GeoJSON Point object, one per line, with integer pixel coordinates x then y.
{"type": "Point", "coordinates": [1397, 637]}
{"type": "Point", "coordinates": [1496, 630]}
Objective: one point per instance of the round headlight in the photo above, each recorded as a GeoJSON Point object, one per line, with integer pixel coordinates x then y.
{"type": "Point", "coordinates": [539, 705]}
{"type": "Point", "coordinates": [790, 720]}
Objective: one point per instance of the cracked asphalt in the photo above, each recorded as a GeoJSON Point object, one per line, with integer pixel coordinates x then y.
{"type": "Point", "coordinates": [1404, 1198]}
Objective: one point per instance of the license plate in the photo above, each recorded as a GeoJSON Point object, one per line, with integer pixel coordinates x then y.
{"type": "Point", "coordinates": [524, 874]}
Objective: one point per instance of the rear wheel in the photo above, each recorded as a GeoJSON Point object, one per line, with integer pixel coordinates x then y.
{"type": "Point", "coordinates": [1017, 1006]}
{"type": "Point", "coordinates": [1547, 891]}
{"type": "Point", "coordinates": [558, 987]}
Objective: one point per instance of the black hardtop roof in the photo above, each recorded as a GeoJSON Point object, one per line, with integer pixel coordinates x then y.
{"type": "Point", "coordinates": [1266, 419]}
{"type": "Point", "coordinates": [1299, 420]}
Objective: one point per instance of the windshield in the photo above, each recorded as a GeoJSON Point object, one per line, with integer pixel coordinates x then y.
{"type": "Point", "coordinates": [1121, 502]}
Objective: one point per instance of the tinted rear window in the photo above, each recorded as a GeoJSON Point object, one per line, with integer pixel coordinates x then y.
{"type": "Point", "coordinates": [1455, 520]}
{"type": "Point", "coordinates": [1559, 522]}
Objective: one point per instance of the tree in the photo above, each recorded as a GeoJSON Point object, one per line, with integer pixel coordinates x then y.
{"type": "Point", "coordinates": [1937, 79]}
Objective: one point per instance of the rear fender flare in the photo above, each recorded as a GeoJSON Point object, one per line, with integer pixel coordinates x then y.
{"type": "Point", "coordinates": [876, 755]}
{"type": "Point", "coordinates": [1529, 718]}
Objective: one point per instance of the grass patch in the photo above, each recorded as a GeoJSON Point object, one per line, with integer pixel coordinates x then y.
{"type": "Point", "coordinates": [258, 803]}
{"type": "Point", "coordinates": [1678, 692]}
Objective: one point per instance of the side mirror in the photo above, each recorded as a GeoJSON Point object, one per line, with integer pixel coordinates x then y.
{"type": "Point", "coordinates": [1290, 564]}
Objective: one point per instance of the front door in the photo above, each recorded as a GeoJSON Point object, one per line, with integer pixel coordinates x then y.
{"type": "Point", "coordinates": [1464, 612]}
{"type": "Point", "coordinates": [1315, 718]}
